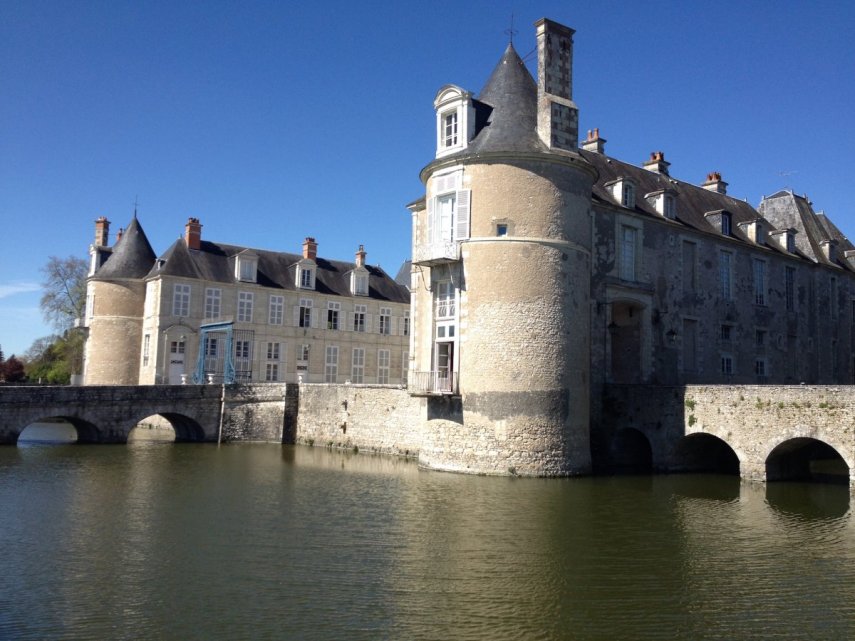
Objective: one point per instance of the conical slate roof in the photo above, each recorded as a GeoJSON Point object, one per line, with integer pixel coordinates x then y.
{"type": "Point", "coordinates": [511, 92]}
{"type": "Point", "coordinates": [132, 256]}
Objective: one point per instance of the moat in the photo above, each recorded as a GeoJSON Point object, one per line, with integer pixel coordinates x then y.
{"type": "Point", "coordinates": [191, 541]}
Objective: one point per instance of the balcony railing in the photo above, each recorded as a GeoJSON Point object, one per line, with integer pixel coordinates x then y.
{"type": "Point", "coordinates": [445, 308]}
{"type": "Point", "coordinates": [436, 253]}
{"type": "Point", "coordinates": [432, 383]}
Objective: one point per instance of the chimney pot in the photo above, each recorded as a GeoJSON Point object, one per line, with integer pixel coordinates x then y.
{"type": "Point", "coordinates": [310, 248]}
{"type": "Point", "coordinates": [360, 256]}
{"type": "Point", "coordinates": [102, 231]}
{"type": "Point", "coordinates": [193, 233]}
{"type": "Point", "coordinates": [657, 163]}
{"type": "Point", "coordinates": [594, 143]}
{"type": "Point", "coordinates": [715, 183]}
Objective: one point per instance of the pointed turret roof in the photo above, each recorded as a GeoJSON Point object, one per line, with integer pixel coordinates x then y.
{"type": "Point", "coordinates": [132, 256]}
{"type": "Point", "coordinates": [511, 93]}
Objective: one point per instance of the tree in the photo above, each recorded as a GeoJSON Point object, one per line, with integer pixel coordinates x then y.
{"type": "Point", "coordinates": [64, 295]}
{"type": "Point", "coordinates": [49, 359]}
{"type": "Point", "coordinates": [13, 370]}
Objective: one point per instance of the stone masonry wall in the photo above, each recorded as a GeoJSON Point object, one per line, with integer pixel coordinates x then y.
{"type": "Point", "coordinates": [260, 413]}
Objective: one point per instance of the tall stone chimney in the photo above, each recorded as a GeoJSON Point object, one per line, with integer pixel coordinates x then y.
{"type": "Point", "coordinates": [360, 256]}
{"type": "Point", "coordinates": [557, 114]}
{"type": "Point", "coordinates": [657, 163]}
{"type": "Point", "coordinates": [102, 231]}
{"type": "Point", "coordinates": [715, 183]}
{"type": "Point", "coordinates": [310, 248]}
{"type": "Point", "coordinates": [193, 233]}
{"type": "Point", "coordinates": [594, 143]}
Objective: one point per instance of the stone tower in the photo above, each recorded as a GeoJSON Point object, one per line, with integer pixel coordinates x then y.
{"type": "Point", "coordinates": [115, 301]}
{"type": "Point", "coordinates": [501, 274]}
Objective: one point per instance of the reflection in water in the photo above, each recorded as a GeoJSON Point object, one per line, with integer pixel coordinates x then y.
{"type": "Point", "coordinates": [48, 431]}
{"type": "Point", "coordinates": [809, 500]}
{"type": "Point", "coordinates": [207, 542]}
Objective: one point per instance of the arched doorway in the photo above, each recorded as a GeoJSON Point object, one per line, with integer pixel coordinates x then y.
{"type": "Point", "coordinates": [625, 339]}
{"type": "Point", "coordinates": [806, 459]}
{"type": "Point", "coordinates": [631, 452]}
{"type": "Point", "coordinates": [704, 453]}
{"type": "Point", "coordinates": [166, 428]}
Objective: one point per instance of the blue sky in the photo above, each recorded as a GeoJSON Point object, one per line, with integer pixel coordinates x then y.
{"type": "Point", "coordinates": [272, 121]}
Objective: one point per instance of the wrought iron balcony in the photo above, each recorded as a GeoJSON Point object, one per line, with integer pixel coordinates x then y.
{"type": "Point", "coordinates": [436, 253]}
{"type": "Point", "coordinates": [433, 384]}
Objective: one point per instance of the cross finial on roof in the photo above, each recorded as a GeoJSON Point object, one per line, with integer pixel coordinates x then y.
{"type": "Point", "coordinates": [511, 31]}
{"type": "Point", "coordinates": [135, 207]}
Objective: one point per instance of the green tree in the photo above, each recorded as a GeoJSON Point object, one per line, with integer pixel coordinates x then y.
{"type": "Point", "coordinates": [49, 358]}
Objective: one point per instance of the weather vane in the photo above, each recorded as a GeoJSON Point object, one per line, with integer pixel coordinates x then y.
{"type": "Point", "coordinates": [135, 206]}
{"type": "Point", "coordinates": [511, 31]}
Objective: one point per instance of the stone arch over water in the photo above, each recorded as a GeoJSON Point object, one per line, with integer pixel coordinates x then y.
{"type": "Point", "coordinates": [167, 426]}
{"type": "Point", "coordinates": [806, 459]}
{"type": "Point", "coordinates": [55, 429]}
{"type": "Point", "coordinates": [702, 452]}
{"type": "Point", "coordinates": [631, 452]}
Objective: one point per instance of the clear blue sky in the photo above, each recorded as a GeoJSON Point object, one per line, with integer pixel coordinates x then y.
{"type": "Point", "coordinates": [271, 121]}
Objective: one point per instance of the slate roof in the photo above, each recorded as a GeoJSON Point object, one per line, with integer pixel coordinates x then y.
{"type": "Point", "coordinates": [276, 270]}
{"type": "Point", "coordinates": [131, 257]}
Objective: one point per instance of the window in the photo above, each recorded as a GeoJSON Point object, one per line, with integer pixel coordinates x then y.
{"type": "Point", "coordinates": [211, 347]}
{"type": "Point", "coordinates": [689, 262]}
{"type": "Point", "coordinates": [359, 284]}
{"type": "Point", "coordinates": [359, 318]}
{"type": "Point", "coordinates": [725, 224]}
{"type": "Point", "coordinates": [760, 337]}
{"type": "Point", "coordinates": [725, 276]}
{"type": "Point", "coordinates": [181, 300]}
{"type": "Point", "coordinates": [213, 303]}
{"type": "Point", "coordinates": [759, 271]}
{"type": "Point", "coordinates": [628, 195]}
{"type": "Point", "coordinates": [333, 310]}
{"type": "Point", "coordinates": [445, 208]}
{"type": "Point", "coordinates": [628, 240]}
{"type": "Point", "coordinates": [448, 210]}
{"type": "Point", "coordinates": [244, 314]}
{"type": "Point", "coordinates": [176, 347]}
{"type": "Point", "coordinates": [385, 324]}
{"type": "Point", "coordinates": [303, 358]}
{"type": "Point", "coordinates": [383, 360]}
{"type": "Point", "coordinates": [670, 207]}
{"type": "Point", "coordinates": [273, 351]}
{"type": "Point", "coordinates": [304, 318]}
{"type": "Point", "coordinates": [725, 332]}
{"type": "Point", "coordinates": [243, 359]}
{"type": "Point", "coordinates": [306, 274]}
{"type": "Point", "coordinates": [357, 370]}
{"type": "Point", "coordinates": [405, 324]}
{"type": "Point", "coordinates": [247, 271]}
{"type": "Point", "coordinates": [790, 287]}
{"type": "Point", "coordinates": [445, 299]}
{"type": "Point", "coordinates": [449, 129]}
{"type": "Point", "coordinates": [331, 364]}
{"type": "Point", "coordinates": [727, 364]}
{"type": "Point", "coordinates": [501, 230]}
{"type": "Point", "coordinates": [277, 310]}
{"type": "Point", "coordinates": [146, 349]}
{"type": "Point", "coordinates": [760, 368]}
{"type": "Point", "coordinates": [246, 268]}
{"type": "Point", "coordinates": [271, 373]}
{"type": "Point", "coordinates": [306, 278]}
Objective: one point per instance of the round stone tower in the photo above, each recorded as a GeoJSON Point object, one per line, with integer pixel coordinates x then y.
{"type": "Point", "coordinates": [115, 297]}
{"type": "Point", "coordinates": [502, 272]}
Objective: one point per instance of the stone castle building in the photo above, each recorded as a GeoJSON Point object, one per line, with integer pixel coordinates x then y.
{"type": "Point", "coordinates": [212, 312]}
{"type": "Point", "coordinates": [544, 270]}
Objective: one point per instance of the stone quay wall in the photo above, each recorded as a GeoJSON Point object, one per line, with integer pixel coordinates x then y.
{"type": "Point", "coordinates": [262, 412]}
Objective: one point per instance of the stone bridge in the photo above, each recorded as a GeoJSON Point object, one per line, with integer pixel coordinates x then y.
{"type": "Point", "coordinates": [761, 432]}
{"type": "Point", "coordinates": [107, 414]}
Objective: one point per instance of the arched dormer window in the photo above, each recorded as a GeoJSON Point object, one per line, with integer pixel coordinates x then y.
{"type": "Point", "coordinates": [246, 266]}
{"type": "Point", "coordinates": [455, 119]}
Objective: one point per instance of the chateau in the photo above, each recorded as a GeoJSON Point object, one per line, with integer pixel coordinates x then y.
{"type": "Point", "coordinates": [544, 270]}
{"type": "Point", "coordinates": [210, 312]}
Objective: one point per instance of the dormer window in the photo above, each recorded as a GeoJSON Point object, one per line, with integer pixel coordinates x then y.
{"type": "Point", "coordinates": [664, 202]}
{"type": "Point", "coordinates": [669, 206]}
{"type": "Point", "coordinates": [623, 191]}
{"type": "Point", "coordinates": [359, 282]}
{"type": "Point", "coordinates": [720, 220]}
{"type": "Point", "coordinates": [246, 266]}
{"type": "Point", "coordinates": [725, 224]}
{"type": "Point", "coordinates": [455, 119]}
{"type": "Point", "coordinates": [306, 274]}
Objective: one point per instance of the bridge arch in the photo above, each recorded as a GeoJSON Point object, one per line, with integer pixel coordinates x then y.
{"type": "Point", "coordinates": [702, 452]}
{"type": "Point", "coordinates": [186, 429]}
{"type": "Point", "coordinates": [86, 432]}
{"type": "Point", "coordinates": [631, 452]}
{"type": "Point", "coordinates": [806, 458]}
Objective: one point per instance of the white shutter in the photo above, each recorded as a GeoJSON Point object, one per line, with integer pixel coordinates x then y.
{"type": "Point", "coordinates": [296, 315]}
{"type": "Point", "coordinates": [314, 314]}
{"type": "Point", "coordinates": [368, 323]}
{"type": "Point", "coordinates": [393, 325]}
{"type": "Point", "coordinates": [462, 231]}
{"type": "Point", "coordinates": [428, 239]}
{"type": "Point", "coordinates": [348, 323]}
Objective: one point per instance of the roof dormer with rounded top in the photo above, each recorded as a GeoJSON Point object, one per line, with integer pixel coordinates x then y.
{"type": "Point", "coordinates": [455, 120]}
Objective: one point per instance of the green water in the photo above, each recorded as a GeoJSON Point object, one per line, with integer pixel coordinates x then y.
{"type": "Point", "coordinates": [170, 541]}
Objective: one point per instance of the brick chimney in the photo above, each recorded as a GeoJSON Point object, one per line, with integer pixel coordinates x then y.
{"type": "Point", "coordinates": [657, 163]}
{"type": "Point", "coordinates": [102, 231]}
{"type": "Point", "coordinates": [715, 183]}
{"type": "Point", "coordinates": [557, 114]}
{"type": "Point", "coordinates": [360, 256]}
{"type": "Point", "coordinates": [193, 233]}
{"type": "Point", "coordinates": [594, 143]}
{"type": "Point", "coordinates": [310, 248]}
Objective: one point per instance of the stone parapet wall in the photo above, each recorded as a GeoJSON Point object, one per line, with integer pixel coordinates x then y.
{"type": "Point", "coordinates": [262, 412]}
{"type": "Point", "coordinates": [372, 418]}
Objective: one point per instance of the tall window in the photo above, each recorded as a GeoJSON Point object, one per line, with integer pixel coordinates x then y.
{"type": "Point", "coordinates": [405, 324]}
{"type": "Point", "coordinates": [628, 240]}
{"type": "Point", "coordinates": [790, 287]}
{"type": "Point", "coordinates": [725, 275]}
{"type": "Point", "coordinates": [146, 348]}
{"type": "Point", "coordinates": [760, 369]}
{"type": "Point", "coordinates": [669, 207]}
{"type": "Point", "coordinates": [689, 262]}
{"type": "Point", "coordinates": [449, 129]}
{"type": "Point", "coordinates": [243, 359]}
{"type": "Point", "coordinates": [725, 224]}
{"type": "Point", "coordinates": [277, 310]}
{"type": "Point", "coordinates": [273, 350]}
{"type": "Point", "coordinates": [333, 311]}
{"type": "Point", "coordinates": [727, 364]}
{"type": "Point", "coordinates": [213, 303]}
{"type": "Point", "coordinates": [385, 324]}
{"type": "Point", "coordinates": [445, 210]}
{"type": "Point", "coordinates": [272, 367]}
{"type": "Point", "coordinates": [445, 299]}
{"type": "Point", "coordinates": [357, 371]}
{"type": "Point", "coordinates": [303, 358]}
{"type": "Point", "coordinates": [759, 270]}
{"type": "Point", "coordinates": [359, 284]}
{"type": "Point", "coordinates": [628, 199]}
{"type": "Point", "coordinates": [306, 278]}
{"type": "Point", "coordinates": [383, 360]}
{"type": "Point", "coordinates": [244, 314]}
{"type": "Point", "coordinates": [304, 318]}
{"type": "Point", "coordinates": [359, 317]}
{"type": "Point", "coordinates": [181, 300]}
{"type": "Point", "coordinates": [331, 364]}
